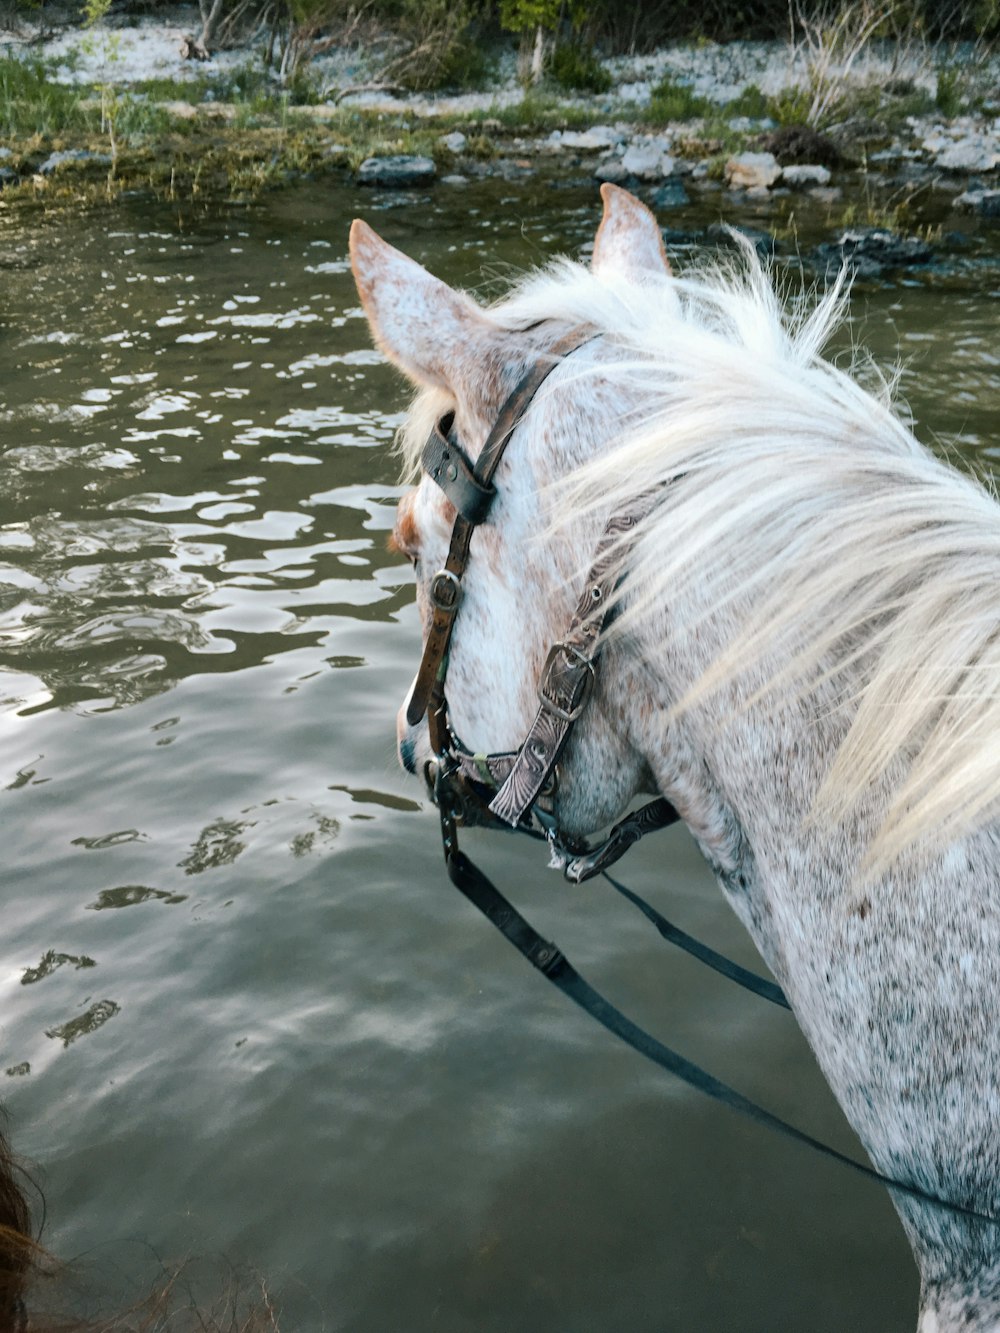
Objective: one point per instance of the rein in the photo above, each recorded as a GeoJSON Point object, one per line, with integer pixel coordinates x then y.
{"type": "Point", "coordinates": [515, 789]}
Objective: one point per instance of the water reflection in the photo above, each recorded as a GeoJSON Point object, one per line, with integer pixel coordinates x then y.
{"type": "Point", "coordinates": [195, 487]}
{"type": "Point", "coordinates": [95, 1017]}
{"type": "Point", "coordinates": [137, 544]}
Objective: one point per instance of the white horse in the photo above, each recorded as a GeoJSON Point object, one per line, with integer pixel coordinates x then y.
{"type": "Point", "coordinates": [804, 659]}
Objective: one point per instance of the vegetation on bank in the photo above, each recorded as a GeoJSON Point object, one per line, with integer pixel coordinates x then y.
{"type": "Point", "coordinates": [236, 133]}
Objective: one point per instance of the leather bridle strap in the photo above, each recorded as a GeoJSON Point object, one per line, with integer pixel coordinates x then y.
{"type": "Point", "coordinates": [567, 679]}
{"type": "Point", "coordinates": [472, 487]}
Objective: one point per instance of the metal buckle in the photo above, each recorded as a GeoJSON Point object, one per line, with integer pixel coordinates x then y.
{"type": "Point", "coordinates": [567, 714]}
{"type": "Point", "coordinates": [446, 591]}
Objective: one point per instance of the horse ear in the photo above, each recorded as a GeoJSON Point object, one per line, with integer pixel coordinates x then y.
{"type": "Point", "coordinates": [629, 240]}
{"type": "Point", "coordinates": [423, 327]}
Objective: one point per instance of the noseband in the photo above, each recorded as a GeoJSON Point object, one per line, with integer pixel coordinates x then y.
{"type": "Point", "coordinates": [517, 788]}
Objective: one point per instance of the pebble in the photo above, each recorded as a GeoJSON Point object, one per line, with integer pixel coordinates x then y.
{"type": "Point", "coordinates": [454, 142]}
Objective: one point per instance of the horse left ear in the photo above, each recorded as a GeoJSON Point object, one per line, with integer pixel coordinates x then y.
{"type": "Point", "coordinates": [429, 331]}
{"type": "Point", "coordinates": [629, 240]}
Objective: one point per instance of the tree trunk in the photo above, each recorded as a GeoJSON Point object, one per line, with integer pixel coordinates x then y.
{"type": "Point", "coordinates": [538, 56]}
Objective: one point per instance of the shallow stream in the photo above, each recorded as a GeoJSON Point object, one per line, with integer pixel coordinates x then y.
{"type": "Point", "coordinates": [243, 1016]}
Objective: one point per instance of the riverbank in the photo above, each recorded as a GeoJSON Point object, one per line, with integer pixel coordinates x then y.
{"type": "Point", "coordinates": [905, 139]}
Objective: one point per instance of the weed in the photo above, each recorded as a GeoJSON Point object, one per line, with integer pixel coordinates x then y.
{"type": "Point", "coordinates": [751, 102]}
{"type": "Point", "coordinates": [948, 94]}
{"type": "Point", "coordinates": [791, 106]}
{"type": "Point", "coordinates": [676, 101]}
{"type": "Point", "coordinates": [31, 104]}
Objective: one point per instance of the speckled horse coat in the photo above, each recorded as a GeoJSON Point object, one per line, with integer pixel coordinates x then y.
{"type": "Point", "coordinates": [804, 660]}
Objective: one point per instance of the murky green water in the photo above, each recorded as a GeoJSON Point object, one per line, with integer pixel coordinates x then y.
{"type": "Point", "coordinates": [242, 1014]}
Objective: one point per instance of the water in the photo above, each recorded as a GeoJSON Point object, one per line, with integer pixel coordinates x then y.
{"type": "Point", "coordinates": [242, 1013]}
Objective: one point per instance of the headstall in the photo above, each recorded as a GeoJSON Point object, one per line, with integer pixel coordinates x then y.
{"type": "Point", "coordinates": [517, 788]}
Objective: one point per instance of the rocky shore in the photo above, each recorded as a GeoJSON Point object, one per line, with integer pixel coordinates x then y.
{"type": "Point", "coordinates": [912, 141]}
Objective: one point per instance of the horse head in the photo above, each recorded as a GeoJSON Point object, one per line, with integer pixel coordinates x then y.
{"type": "Point", "coordinates": [527, 562]}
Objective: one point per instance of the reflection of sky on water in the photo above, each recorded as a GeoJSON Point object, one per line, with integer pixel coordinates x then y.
{"type": "Point", "coordinates": [137, 544]}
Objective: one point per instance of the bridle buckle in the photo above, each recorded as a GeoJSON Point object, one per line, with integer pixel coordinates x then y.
{"type": "Point", "coordinates": [578, 660]}
{"type": "Point", "coordinates": [446, 591]}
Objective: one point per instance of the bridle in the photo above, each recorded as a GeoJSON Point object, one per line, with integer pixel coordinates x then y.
{"type": "Point", "coordinates": [517, 788]}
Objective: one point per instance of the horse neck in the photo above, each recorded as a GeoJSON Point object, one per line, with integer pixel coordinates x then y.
{"type": "Point", "coordinates": [893, 983]}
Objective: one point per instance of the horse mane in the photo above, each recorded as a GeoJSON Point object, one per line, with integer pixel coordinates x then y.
{"type": "Point", "coordinates": [802, 505]}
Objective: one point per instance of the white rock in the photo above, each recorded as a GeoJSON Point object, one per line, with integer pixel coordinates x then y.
{"type": "Point", "coordinates": [595, 139]}
{"type": "Point", "coordinates": [613, 170]}
{"type": "Point", "coordinates": [976, 154]}
{"type": "Point", "coordinates": [454, 142]}
{"type": "Point", "coordinates": [806, 174]}
{"type": "Point", "coordinates": [986, 202]}
{"type": "Point", "coordinates": [752, 171]}
{"type": "Point", "coordinates": [648, 159]}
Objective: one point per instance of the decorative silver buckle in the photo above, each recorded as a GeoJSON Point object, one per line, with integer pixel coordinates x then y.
{"type": "Point", "coordinates": [581, 660]}
{"type": "Point", "coordinates": [445, 591]}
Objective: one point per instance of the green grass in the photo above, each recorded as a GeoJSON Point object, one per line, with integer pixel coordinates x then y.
{"type": "Point", "coordinates": [31, 104]}
{"type": "Point", "coordinates": [751, 102]}
{"type": "Point", "coordinates": [671, 101]}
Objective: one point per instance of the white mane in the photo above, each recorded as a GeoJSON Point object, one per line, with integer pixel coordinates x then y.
{"type": "Point", "coordinates": [795, 490]}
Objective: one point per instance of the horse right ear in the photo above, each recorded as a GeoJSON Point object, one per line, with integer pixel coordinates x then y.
{"type": "Point", "coordinates": [628, 241]}
{"type": "Point", "coordinates": [429, 331]}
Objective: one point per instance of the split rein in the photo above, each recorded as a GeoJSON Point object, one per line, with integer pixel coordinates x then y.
{"type": "Point", "coordinates": [516, 789]}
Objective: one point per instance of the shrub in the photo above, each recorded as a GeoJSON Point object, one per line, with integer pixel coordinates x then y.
{"type": "Point", "coordinates": [577, 67]}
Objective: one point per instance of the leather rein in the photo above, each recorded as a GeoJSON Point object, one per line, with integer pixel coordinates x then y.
{"type": "Point", "coordinates": [517, 788]}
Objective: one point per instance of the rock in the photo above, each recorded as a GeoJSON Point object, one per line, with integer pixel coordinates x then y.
{"type": "Point", "coordinates": [8, 176]}
{"type": "Point", "coordinates": [648, 159]}
{"type": "Point", "coordinates": [806, 174]}
{"type": "Point", "coordinates": [454, 180]}
{"type": "Point", "coordinates": [871, 250]}
{"type": "Point", "coordinates": [593, 140]}
{"type": "Point", "coordinates": [73, 157]}
{"type": "Point", "coordinates": [613, 169]}
{"type": "Point", "coordinates": [752, 171]}
{"type": "Point", "coordinates": [6, 154]}
{"type": "Point", "coordinates": [397, 171]}
{"type": "Point", "coordinates": [976, 154]}
{"type": "Point", "coordinates": [984, 202]}
{"type": "Point", "coordinates": [454, 142]}
{"type": "Point", "coordinates": [671, 195]}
